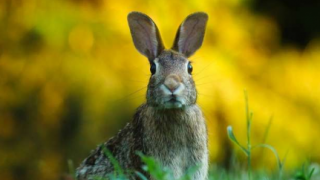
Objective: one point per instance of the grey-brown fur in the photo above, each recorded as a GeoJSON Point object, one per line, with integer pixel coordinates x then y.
{"type": "Point", "coordinates": [170, 126]}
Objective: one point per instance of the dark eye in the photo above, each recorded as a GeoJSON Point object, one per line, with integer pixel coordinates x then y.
{"type": "Point", "coordinates": [190, 68]}
{"type": "Point", "coordinates": [153, 68]}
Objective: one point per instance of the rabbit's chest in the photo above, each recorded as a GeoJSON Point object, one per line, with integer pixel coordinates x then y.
{"type": "Point", "coordinates": [176, 146]}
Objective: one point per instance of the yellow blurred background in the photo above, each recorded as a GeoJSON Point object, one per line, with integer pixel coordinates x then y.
{"type": "Point", "coordinates": [70, 78]}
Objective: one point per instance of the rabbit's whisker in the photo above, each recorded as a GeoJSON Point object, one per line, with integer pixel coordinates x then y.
{"type": "Point", "coordinates": [133, 97]}
{"type": "Point", "coordinates": [200, 78]}
{"type": "Point", "coordinates": [208, 83]}
{"type": "Point", "coordinates": [125, 97]}
{"type": "Point", "coordinates": [192, 59]}
{"type": "Point", "coordinates": [132, 80]}
{"type": "Point", "coordinates": [202, 69]}
{"type": "Point", "coordinates": [205, 95]}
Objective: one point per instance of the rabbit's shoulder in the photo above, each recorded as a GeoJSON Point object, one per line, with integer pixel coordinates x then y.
{"type": "Point", "coordinates": [122, 147]}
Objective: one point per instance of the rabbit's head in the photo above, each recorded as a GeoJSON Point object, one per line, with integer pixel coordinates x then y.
{"type": "Point", "coordinates": [171, 84]}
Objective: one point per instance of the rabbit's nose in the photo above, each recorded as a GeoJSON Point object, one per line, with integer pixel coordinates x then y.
{"type": "Point", "coordinates": [172, 82]}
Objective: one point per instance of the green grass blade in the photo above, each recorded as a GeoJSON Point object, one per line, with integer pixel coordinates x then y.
{"type": "Point", "coordinates": [155, 168]}
{"type": "Point", "coordinates": [140, 175]}
{"type": "Point", "coordinates": [234, 139]}
{"type": "Point", "coordinates": [71, 168]}
{"type": "Point", "coordinates": [310, 173]}
{"type": "Point", "coordinates": [274, 152]}
{"type": "Point", "coordinates": [190, 172]}
{"type": "Point", "coordinates": [266, 133]}
{"type": "Point", "coordinates": [113, 161]}
{"type": "Point", "coordinates": [248, 117]}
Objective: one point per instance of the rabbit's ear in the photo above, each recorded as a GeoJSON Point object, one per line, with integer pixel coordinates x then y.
{"type": "Point", "coordinates": [145, 35]}
{"type": "Point", "coordinates": [190, 34]}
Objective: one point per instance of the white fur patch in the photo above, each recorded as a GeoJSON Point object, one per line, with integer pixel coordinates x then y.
{"type": "Point", "coordinates": [179, 90]}
{"type": "Point", "coordinates": [165, 90]}
{"type": "Point", "coordinates": [156, 62]}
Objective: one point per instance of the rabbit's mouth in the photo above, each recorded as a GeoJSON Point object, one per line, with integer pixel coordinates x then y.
{"type": "Point", "coordinates": [173, 102]}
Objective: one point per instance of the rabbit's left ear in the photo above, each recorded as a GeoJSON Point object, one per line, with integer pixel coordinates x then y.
{"type": "Point", "coordinates": [145, 35]}
{"type": "Point", "coordinates": [190, 34]}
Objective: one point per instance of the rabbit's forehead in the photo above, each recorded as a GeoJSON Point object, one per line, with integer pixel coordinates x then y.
{"type": "Point", "coordinates": [169, 66]}
{"type": "Point", "coordinates": [171, 61]}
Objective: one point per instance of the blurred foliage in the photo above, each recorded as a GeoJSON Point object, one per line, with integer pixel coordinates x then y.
{"type": "Point", "coordinates": [70, 78]}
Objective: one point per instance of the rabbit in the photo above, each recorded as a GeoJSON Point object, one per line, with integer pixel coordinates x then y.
{"type": "Point", "coordinates": [170, 126]}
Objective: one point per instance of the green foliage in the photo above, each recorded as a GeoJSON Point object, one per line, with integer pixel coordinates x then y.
{"type": "Point", "coordinates": [118, 172]}
{"type": "Point", "coordinates": [155, 169]}
{"type": "Point", "coordinates": [248, 150]}
{"type": "Point", "coordinates": [71, 168]}
{"type": "Point", "coordinates": [305, 173]}
{"type": "Point", "coordinates": [215, 173]}
{"type": "Point", "coordinates": [162, 173]}
{"type": "Point", "coordinates": [152, 166]}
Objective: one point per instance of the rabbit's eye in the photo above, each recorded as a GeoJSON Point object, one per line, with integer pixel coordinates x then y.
{"type": "Point", "coordinates": [190, 68]}
{"type": "Point", "coordinates": [153, 68]}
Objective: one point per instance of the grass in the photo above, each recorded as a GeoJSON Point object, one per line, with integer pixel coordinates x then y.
{"type": "Point", "coordinates": [238, 171]}
{"type": "Point", "coordinates": [249, 148]}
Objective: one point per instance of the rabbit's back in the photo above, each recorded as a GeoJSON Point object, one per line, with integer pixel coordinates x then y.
{"type": "Point", "coordinates": [122, 147]}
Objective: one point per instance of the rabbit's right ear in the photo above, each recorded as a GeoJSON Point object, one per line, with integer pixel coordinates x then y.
{"type": "Point", "coordinates": [190, 34]}
{"type": "Point", "coordinates": [145, 35]}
